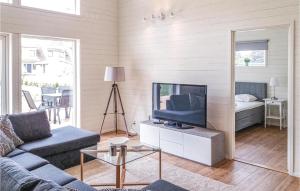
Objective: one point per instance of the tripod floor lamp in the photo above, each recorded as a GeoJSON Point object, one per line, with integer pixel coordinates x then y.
{"type": "Point", "coordinates": [115, 74]}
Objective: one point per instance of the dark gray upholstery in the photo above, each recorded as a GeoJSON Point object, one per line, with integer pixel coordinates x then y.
{"type": "Point", "coordinates": [15, 153]}
{"type": "Point", "coordinates": [50, 172]}
{"type": "Point", "coordinates": [47, 185]}
{"type": "Point", "coordinates": [31, 126]}
{"type": "Point", "coordinates": [79, 186]}
{"type": "Point", "coordinates": [162, 185]}
{"type": "Point", "coordinates": [247, 118]}
{"type": "Point", "coordinates": [62, 140]}
{"type": "Point", "coordinates": [66, 159]}
{"type": "Point", "coordinates": [15, 177]}
{"type": "Point", "coordinates": [29, 161]}
{"type": "Point", "coordinates": [258, 90]}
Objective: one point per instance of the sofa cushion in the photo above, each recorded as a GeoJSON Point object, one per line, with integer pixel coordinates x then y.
{"type": "Point", "coordinates": [15, 177]}
{"type": "Point", "coordinates": [78, 185]}
{"type": "Point", "coordinates": [31, 126]}
{"type": "Point", "coordinates": [15, 153]}
{"type": "Point", "coordinates": [7, 128]}
{"type": "Point", "coordinates": [50, 172]}
{"type": "Point", "coordinates": [6, 145]}
{"type": "Point", "coordinates": [29, 161]}
{"type": "Point", "coordinates": [62, 140]}
{"type": "Point", "coordinates": [162, 185]}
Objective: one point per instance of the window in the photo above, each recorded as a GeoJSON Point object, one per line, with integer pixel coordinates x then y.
{"type": "Point", "coordinates": [64, 6]}
{"type": "Point", "coordinates": [48, 77]}
{"type": "Point", "coordinates": [251, 53]}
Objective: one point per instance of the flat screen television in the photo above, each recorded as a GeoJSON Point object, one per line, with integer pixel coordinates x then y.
{"type": "Point", "coordinates": [180, 104]}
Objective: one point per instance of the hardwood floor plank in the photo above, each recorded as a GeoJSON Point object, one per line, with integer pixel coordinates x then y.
{"type": "Point", "coordinates": [264, 146]}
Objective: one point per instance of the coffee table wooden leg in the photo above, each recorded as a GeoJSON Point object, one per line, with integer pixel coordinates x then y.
{"type": "Point", "coordinates": [118, 176]}
{"type": "Point", "coordinates": [81, 166]}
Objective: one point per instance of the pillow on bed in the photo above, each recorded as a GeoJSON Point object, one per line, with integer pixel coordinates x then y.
{"type": "Point", "coordinates": [245, 98]}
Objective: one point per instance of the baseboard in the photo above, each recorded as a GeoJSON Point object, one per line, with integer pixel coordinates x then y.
{"type": "Point", "coordinates": [296, 174]}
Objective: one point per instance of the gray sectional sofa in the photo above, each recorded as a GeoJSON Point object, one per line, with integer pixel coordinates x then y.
{"type": "Point", "coordinates": [44, 155]}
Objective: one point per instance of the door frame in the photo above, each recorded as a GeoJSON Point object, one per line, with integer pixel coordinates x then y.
{"type": "Point", "coordinates": [6, 76]}
{"type": "Point", "coordinates": [291, 91]}
{"type": "Point", "coordinates": [76, 76]}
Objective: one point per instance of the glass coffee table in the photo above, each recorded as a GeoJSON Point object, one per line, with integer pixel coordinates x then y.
{"type": "Point", "coordinates": [119, 162]}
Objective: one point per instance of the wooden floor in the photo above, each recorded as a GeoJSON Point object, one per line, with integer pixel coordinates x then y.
{"type": "Point", "coordinates": [263, 146]}
{"type": "Point", "coordinates": [245, 177]}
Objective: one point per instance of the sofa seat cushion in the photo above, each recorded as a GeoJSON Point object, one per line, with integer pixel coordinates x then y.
{"type": "Point", "coordinates": [15, 177]}
{"type": "Point", "coordinates": [50, 172]}
{"type": "Point", "coordinates": [48, 185]}
{"type": "Point", "coordinates": [78, 185]}
{"type": "Point", "coordinates": [62, 140]}
{"type": "Point", "coordinates": [29, 161]}
{"type": "Point", "coordinates": [15, 153]}
{"type": "Point", "coordinates": [162, 185]}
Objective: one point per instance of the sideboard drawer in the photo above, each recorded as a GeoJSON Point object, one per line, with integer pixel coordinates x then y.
{"type": "Point", "coordinates": [171, 136]}
{"type": "Point", "coordinates": [172, 148]}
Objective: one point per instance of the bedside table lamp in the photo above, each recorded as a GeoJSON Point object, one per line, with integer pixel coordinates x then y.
{"type": "Point", "coordinates": [115, 74]}
{"type": "Point", "coordinates": [274, 83]}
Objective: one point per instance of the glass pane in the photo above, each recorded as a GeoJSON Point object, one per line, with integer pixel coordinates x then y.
{"type": "Point", "coordinates": [65, 6]}
{"type": "Point", "coordinates": [5, 1]}
{"type": "Point", "coordinates": [251, 58]}
{"type": "Point", "coordinates": [48, 78]}
{"type": "Point", "coordinates": [98, 152]}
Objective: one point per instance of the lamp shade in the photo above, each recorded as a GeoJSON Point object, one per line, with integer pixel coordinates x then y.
{"type": "Point", "coordinates": [274, 82]}
{"type": "Point", "coordinates": [115, 74]}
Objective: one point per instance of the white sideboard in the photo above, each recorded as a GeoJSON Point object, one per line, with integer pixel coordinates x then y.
{"type": "Point", "coordinates": [202, 145]}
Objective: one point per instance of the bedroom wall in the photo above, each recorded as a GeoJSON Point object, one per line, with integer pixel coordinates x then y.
{"type": "Point", "coordinates": [277, 60]}
{"type": "Point", "coordinates": [97, 29]}
{"type": "Point", "coordinates": [193, 47]}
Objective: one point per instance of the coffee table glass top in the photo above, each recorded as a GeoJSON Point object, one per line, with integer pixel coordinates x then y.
{"type": "Point", "coordinates": [102, 153]}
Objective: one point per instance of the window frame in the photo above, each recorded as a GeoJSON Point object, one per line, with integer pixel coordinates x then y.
{"type": "Point", "coordinates": [253, 45]}
{"type": "Point", "coordinates": [5, 74]}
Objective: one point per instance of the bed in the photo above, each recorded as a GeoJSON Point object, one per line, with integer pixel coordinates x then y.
{"type": "Point", "coordinates": [249, 113]}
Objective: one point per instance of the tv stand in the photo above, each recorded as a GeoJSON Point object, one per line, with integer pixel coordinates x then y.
{"type": "Point", "coordinates": [206, 146]}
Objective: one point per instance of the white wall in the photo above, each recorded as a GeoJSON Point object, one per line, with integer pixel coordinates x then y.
{"type": "Point", "coordinates": [277, 60]}
{"type": "Point", "coordinates": [97, 29]}
{"type": "Point", "coordinates": [193, 47]}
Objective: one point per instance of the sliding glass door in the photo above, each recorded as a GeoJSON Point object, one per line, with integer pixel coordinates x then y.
{"type": "Point", "coordinates": [3, 74]}
{"type": "Point", "coordinates": [48, 77]}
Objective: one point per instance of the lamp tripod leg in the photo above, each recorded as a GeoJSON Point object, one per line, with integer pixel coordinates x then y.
{"type": "Point", "coordinates": [105, 113]}
{"type": "Point", "coordinates": [123, 112]}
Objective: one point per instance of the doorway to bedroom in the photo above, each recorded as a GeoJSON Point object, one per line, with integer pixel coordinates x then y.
{"type": "Point", "coordinates": [262, 97]}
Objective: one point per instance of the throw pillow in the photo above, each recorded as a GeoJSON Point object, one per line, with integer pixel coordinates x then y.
{"type": "Point", "coordinates": [6, 145]}
{"type": "Point", "coordinates": [7, 128]}
{"type": "Point", "coordinates": [15, 177]}
{"type": "Point", "coordinates": [31, 126]}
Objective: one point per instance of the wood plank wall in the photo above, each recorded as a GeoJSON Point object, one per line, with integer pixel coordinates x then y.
{"type": "Point", "coordinates": [193, 47]}
{"type": "Point", "coordinates": [96, 28]}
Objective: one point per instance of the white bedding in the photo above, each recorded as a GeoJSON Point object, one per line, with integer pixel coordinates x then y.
{"type": "Point", "coordinates": [242, 106]}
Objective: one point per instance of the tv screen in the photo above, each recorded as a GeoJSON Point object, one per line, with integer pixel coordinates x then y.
{"type": "Point", "coordinates": [180, 103]}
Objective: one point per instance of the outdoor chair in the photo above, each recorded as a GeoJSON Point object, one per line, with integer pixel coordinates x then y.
{"type": "Point", "coordinates": [32, 105]}
{"type": "Point", "coordinates": [66, 102]}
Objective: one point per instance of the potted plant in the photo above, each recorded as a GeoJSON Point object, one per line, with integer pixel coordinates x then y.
{"type": "Point", "coordinates": [247, 61]}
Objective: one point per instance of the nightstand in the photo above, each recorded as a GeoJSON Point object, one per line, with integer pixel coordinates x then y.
{"type": "Point", "coordinates": [281, 115]}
